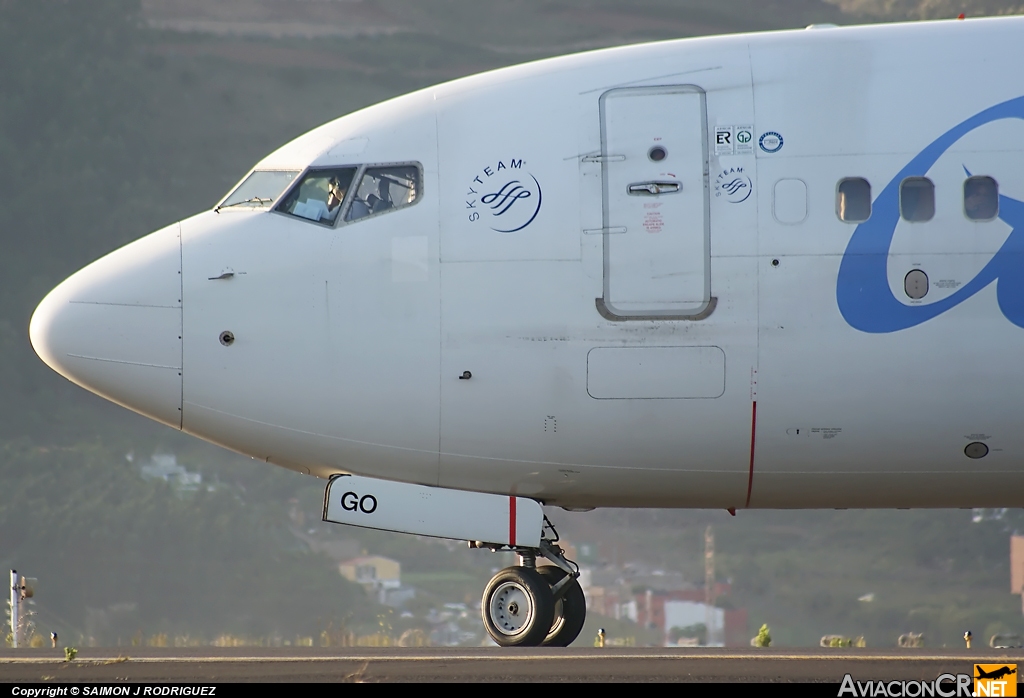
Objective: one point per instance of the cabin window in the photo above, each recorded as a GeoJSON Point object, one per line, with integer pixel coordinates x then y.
{"type": "Point", "coordinates": [259, 190]}
{"type": "Point", "coordinates": [320, 195]}
{"type": "Point", "coordinates": [383, 189]}
{"type": "Point", "coordinates": [917, 199]}
{"type": "Point", "coordinates": [853, 200]}
{"type": "Point", "coordinates": [981, 198]}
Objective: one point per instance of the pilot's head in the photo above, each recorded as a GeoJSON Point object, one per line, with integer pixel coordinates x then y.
{"type": "Point", "coordinates": [335, 193]}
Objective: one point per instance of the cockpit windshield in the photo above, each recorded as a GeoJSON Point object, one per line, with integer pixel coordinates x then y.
{"type": "Point", "coordinates": [383, 189]}
{"type": "Point", "coordinates": [341, 195]}
{"type": "Point", "coordinates": [259, 190]}
{"type": "Point", "coordinates": [320, 194]}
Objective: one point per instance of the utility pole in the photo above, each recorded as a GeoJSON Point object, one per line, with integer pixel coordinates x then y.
{"type": "Point", "coordinates": [15, 607]}
{"type": "Point", "coordinates": [709, 582]}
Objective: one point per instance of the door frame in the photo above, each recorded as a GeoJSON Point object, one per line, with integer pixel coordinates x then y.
{"type": "Point", "coordinates": [608, 311]}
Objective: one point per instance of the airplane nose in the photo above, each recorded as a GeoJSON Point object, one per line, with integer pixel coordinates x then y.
{"type": "Point", "coordinates": [115, 327]}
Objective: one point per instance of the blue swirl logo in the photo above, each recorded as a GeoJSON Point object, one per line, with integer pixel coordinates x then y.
{"type": "Point", "coordinates": [505, 197]}
{"type": "Point", "coordinates": [502, 195]}
{"type": "Point", "coordinates": [863, 294]}
{"type": "Point", "coordinates": [734, 185]}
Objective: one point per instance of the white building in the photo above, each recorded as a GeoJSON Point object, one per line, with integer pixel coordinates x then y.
{"type": "Point", "coordinates": [682, 614]}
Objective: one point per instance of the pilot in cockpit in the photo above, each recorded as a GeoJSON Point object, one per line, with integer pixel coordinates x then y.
{"type": "Point", "coordinates": [318, 197]}
{"type": "Point", "coordinates": [335, 195]}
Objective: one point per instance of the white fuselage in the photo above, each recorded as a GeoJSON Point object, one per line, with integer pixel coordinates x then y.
{"type": "Point", "coordinates": [723, 344]}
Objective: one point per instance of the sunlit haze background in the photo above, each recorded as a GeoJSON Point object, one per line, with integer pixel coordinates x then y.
{"type": "Point", "coordinates": [118, 117]}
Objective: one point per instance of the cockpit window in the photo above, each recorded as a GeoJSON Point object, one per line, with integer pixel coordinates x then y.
{"type": "Point", "coordinates": [384, 189]}
{"type": "Point", "coordinates": [259, 190]}
{"type": "Point", "coordinates": [320, 195]}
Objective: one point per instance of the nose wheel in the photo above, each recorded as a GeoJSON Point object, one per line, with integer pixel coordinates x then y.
{"type": "Point", "coordinates": [530, 606]}
{"type": "Point", "coordinates": [518, 607]}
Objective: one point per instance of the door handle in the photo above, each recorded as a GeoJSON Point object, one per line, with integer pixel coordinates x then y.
{"type": "Point", "coordinates": [654, 188]}
{"type": "Point", "coordinates": [604, 158]}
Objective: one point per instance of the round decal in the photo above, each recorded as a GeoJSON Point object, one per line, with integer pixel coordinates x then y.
{"type": "Point", "coordinates": [505, 196]}
{"type": "Point", "coordinates": [733, 185]}
{"type": "Point", "coordinates": [770, 142]}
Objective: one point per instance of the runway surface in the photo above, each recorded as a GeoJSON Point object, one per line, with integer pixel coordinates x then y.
{"type": "Point", "coordinates": [223, 665]}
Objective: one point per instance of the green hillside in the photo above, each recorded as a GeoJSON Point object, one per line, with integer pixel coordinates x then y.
{"type": "Point", "coordinates": [119, 557]}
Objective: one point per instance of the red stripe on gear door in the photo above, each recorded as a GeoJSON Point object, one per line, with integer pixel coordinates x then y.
{"type": "Point", "coordinates": [753, 438]}
{"type": "Point", "coordinates": [512, 521]}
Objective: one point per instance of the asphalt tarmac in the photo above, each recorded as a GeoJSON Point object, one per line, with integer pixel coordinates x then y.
{"type": "Point", "coordinates": [212, 665]}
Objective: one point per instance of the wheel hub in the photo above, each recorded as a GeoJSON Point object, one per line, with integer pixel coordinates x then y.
{"type": "Point", "coordinates": [510, 608]}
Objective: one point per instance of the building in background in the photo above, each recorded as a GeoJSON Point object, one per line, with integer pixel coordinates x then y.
{"type": "Point", "coordinates": [685, 608]}
{"type": "Point", "coordinates": [164, 466]}
{"type": "Point", "coordinates": [380, 576]}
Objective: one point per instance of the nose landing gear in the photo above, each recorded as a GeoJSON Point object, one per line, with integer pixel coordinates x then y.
{"type": "Point", "coordinates": [530, 606]}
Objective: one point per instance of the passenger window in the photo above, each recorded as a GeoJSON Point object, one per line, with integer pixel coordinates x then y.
{"type": "Point", "coordinates": [384, 189]}
{"type": "Point", "coordinates": [853, 200]}
{"type": "Point", "coordinates": [320, 195]}
{"type": "Point", "coordinates": [259, 190]}
{"type": "Point", "coordinates": [917, 199]}
{"type": "Point", "coordinates": [981, 198]}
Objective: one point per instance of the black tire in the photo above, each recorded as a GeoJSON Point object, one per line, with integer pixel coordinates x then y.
{"type": "Point", "coordinates": [517, 608]}
{"type": "Point", "coordinates": [570, 609]}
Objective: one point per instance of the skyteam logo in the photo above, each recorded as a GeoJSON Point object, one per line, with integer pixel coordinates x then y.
{"type": "Point", "coordinates": [862, 289]}
{"type": "Point", "coordinates": [734, 185]}
{"type": "Point", "coordinates": [505, 196]}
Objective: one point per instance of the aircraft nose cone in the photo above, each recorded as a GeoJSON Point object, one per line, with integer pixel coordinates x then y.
{"type": "Point", "coordinates": [115, 327]}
